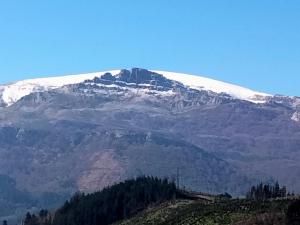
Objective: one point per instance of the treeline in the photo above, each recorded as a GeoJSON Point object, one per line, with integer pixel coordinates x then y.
{"type": "Point", "coordinates": [263, 192]}
{"type": "Point", "coordinates": [114, 203]}
{"type": "Point", "coordinates": [43, 218]}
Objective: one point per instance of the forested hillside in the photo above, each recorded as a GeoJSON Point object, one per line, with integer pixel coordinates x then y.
{"type": "Point", "coordinates": [149, 200]}
{"type": "Point", "coordinates": [114, 203]}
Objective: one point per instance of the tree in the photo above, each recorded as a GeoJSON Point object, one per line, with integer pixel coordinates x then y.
{"type": "Point", "coordinates": [4, 222]}
{"type": "Point", "coordinates": [293, 213]}
{"type": "Point", "coordinates": [27, 218]}
{"type": "Point", "coordinates": [114, 203]}
{"type": "Point", "coordinates": [31, 219]}
{"type": "Point", "coordinates": [43, 213]}
{"type": "Point", "coordinates": [262, 192]}
{"type": "Point", "coordinates": [225, 196]}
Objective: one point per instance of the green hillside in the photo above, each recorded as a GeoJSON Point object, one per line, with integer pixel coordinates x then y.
{"type": "Point", "coordinates": [225, 212]}
{"type": "Point", "coordinates": [153, 201]}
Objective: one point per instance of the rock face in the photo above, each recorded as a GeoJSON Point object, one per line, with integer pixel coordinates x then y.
{"type": "Point", "coordinates": [87, 135]}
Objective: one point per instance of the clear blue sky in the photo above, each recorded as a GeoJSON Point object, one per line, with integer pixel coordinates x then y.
{"type": "Point", "coordinates": [254, 43]}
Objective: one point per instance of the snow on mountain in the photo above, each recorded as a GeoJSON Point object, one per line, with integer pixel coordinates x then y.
{"type": "Point", "coordinates": [296, 117]}
{"type": "Point", "coordinates": [203, 83]}
{"type": "Point", "coordinates": [13, 92]}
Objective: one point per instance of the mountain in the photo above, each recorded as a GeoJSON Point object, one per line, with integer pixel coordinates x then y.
{"type": "Point", "coordinates": [84, 132]}
{"type": "Point", "coordinates": [10, 94]}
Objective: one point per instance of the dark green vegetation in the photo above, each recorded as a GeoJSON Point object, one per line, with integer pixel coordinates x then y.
{"type": "Point", "coordinates": [221, 212]}
{"type": "Point", "coordinates": [115, 203]}
{"type": "Point", "coordinates": [293, 213]}
{"type": "Point", "coordinates": [149, 201]}
{"type": "Point", "coordinates": [267, 191]}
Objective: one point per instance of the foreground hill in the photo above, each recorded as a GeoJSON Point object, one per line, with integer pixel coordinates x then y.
{"type": "Point", "coordinates": [85, 132]}
{"type": "Point", "coordinates": [226, 212]}
{"type": "Point", "coordinates": [148, 200]}
{"type": "Point", "coordinates": [112, 204]}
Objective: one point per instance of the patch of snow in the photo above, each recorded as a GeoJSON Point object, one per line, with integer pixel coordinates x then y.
{"type": "Point", "coordinates": [203, 83]}
{"type": "Point", "coordinates": [296, 102]}
{"type": "Point", "coordinates": [13, 92]}
{"type": "Point", "coordinates": [296, 117]}
{"type": "Point", "coordinates": [141, 92]}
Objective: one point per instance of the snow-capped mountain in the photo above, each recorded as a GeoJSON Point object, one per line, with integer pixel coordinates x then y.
{"type": "Point", "coordinates": [13, 92]}
{"type": "Point", "coordinates": [84, 132]}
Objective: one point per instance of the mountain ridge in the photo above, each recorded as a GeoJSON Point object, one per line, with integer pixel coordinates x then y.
{"type": "Point", "coordinates": [13, 92]}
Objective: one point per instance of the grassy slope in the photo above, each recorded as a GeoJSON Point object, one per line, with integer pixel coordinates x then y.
{"type": "Point", "coordinates": [235, 212]}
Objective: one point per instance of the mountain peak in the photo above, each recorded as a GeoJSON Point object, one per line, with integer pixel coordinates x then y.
{"type": "Point", "coordinates": [13, 92]}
